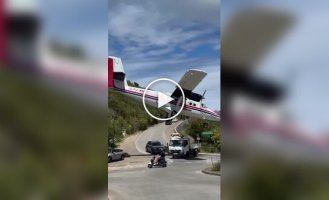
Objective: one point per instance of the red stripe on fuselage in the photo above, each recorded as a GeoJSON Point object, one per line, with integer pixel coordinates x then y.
{"type": "Point", "coordinates": [186, 107]}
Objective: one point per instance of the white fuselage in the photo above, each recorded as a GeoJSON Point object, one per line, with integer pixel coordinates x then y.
{"type": "Point", "coordinates": [191, 108]}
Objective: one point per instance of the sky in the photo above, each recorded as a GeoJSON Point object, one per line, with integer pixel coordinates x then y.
{"type": "Point", "coordinates": [299, 60]}
{"type": "Point", "coordinates": [78, 22]}
{"type": "Point", "coordinates": [163, 39]}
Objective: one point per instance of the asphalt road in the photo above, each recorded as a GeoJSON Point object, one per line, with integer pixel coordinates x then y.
{"type": "Point", "coordinates": [156, 132]}
{"type": "Point", "coordinates": [135, 144]}
{"type": "Point", "coordinates": [182, 179]}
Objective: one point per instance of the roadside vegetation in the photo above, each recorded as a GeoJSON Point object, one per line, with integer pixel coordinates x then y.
{"type": "Point", "coordinates": [126, 116]}
{"type": "Point", "coordinates": [52, 145]}
{"type": "Point", "coordinates": [209, 143]}
{"type": "Point", "coordinates": [215, 166]}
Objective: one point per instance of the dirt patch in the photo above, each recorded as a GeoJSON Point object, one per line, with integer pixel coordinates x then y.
{"type": "Point", "coordinates": [131, 162]}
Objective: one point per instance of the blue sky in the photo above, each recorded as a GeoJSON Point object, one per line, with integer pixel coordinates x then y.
{"type": "Point", "coordinates": [79, 22]}
{"type": "Point", "coordinates": [301, 52]}
{"type": "Point", "coordinates": [165, 38]}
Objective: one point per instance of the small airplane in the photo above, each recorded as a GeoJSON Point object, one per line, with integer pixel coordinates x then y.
{"type": "Point", "coordinates": [193, 106]}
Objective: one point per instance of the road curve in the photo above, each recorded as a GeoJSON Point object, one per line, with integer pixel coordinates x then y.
{"type": "Point", "coordinates": [135, 144]}
{"type": "Point", "coordinates": [182, 179]}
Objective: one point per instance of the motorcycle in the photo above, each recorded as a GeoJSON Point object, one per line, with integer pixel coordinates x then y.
{"type": "Point", "coordinates": [161, 162]}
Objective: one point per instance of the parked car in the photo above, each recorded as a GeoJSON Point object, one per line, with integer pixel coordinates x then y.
{"type": "Point", "coordinates": [115, 154]}
{"type": "Point", "coordinates": [125, 154]}
{"type": "Point", "coordinates": [154, 147]}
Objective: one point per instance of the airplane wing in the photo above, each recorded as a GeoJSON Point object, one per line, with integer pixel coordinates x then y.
{"type": "Point", "coordinates": [188, 82]}
{"type": "Point", "coordinates": [249, 35]}
{"type": "Point", "coordinates": [191, 79]}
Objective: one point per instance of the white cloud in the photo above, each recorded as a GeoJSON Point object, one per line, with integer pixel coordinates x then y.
{"type": "Point", "coordinates": [165, 24]}
{"type": "Point", "coordinates": [158, 39]}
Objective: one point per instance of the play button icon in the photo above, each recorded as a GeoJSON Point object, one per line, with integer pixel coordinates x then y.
{"type": "Point", "coordinates": [163, 99]}
{"type": "Point", "coordinates": [160, 100]}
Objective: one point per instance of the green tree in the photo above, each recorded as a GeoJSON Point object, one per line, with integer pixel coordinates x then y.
{"type": "Point", "coordinates": [114, 134]}
{"type": "Point", "coordinates": [127, 114]}
{"type": "Point", "coordinates": [195, 128]}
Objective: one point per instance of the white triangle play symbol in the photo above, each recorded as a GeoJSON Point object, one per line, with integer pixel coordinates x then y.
{"type": "Point", "coordinates": [163, 99]}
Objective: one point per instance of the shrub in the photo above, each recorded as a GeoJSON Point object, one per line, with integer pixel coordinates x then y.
{"type": "Point", "coordinates": [215, 166]}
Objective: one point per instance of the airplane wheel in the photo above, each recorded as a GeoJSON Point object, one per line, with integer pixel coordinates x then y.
{"type": "Point", "coordinates": [173, 113]}
{"type": "Point", "coordinates": [205, 125]}
{"type": "Point", "coordinates": [168, 122]}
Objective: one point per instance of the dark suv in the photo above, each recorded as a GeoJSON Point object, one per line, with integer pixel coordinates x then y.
{"type": "Point", "coordinates": [154, 147]}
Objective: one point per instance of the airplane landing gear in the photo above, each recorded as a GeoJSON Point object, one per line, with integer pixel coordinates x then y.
{"type": "Point", "coordinates": [169, 122]}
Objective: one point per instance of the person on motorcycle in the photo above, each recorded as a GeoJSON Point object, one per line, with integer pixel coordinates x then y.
{"type": "Point", "coordinates": [161, 155]}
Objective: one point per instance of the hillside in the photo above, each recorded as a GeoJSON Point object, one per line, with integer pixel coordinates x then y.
{"type": "Point", "coordinates": [52, 144]}
{"type": "Point", "coordinates": [126, 115]}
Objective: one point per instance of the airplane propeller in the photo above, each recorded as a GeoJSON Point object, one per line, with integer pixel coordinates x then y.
{"type": "Point", "coordinates": [202, 97]}
{"type": "Point", "coordinates": [203, 94]}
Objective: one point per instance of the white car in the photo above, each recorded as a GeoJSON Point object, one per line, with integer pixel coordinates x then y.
{"type": "Point", "coordinates": [115, 154]}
